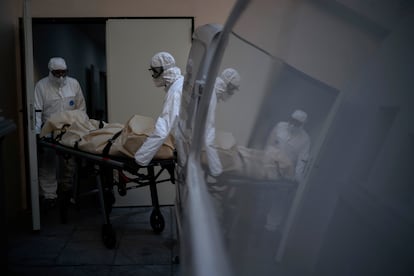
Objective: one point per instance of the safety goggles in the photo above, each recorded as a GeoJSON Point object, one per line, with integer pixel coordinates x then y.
{"type": "Point", "coordinates": [59, 73]}
{"type": "Point", "coordinates": [156, 71]}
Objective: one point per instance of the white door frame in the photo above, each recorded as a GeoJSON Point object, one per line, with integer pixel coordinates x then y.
{"type": "Point", "coordinates": [31, 134]}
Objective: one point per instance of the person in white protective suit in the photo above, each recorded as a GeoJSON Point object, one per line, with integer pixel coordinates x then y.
{"type": "Point", "coordinates": [165, 74]}
{"type": "Point", "coordinates": [225, 86]}
{"type": "Point", "coordinates": [53, 94]}
{"type": "Point", "coordinates": [291, 138]}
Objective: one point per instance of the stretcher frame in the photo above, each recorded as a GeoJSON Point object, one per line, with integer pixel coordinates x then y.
{"type": "Point", "coordinates": [103, 168]}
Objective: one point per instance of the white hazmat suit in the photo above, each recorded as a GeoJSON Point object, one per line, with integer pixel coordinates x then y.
{"type": "Point", "coordinates": [225, 86]}
{"type": "Point", "coordinates": [54, 94]}
{"type": "Point", "coordinates": [165, 74]}
{"type": "Point", "coordinates": [292, 139]}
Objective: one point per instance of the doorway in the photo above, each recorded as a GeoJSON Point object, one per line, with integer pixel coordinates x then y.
{"type": "Point", "coordinates": [81, 42]}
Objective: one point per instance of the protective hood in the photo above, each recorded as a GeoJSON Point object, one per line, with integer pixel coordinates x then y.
{"type": "Point", "coordinates": [300, 116]}
{"type": "Point", "coordinates": [57, 63]}
{"type": "Point", "coordinates": [170, 76]}
{"type": "Point", "coordinates": [231, 77]}
{"type": "Point", "coordinates": [227, 84]}
{"type": "Point", "coordinates": [165, 62]}
{"type": "Point", "coordinates": [163, 59]}
{"type": "Point", "coordinates": [167, 78]}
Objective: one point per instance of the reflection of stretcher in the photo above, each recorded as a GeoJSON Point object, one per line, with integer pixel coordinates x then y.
{"type": "Point", "coordinates": [103, 168]}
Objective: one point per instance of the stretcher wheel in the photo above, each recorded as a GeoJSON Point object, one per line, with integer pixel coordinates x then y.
{"type": "Point", "coordinates": [157, 221]}
{"type": "Point", "coordinates": [108, 236]}
{"type": "Point", "coordinates": [122, 189]}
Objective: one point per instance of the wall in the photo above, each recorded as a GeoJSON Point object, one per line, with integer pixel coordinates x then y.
{"type": "Point", "coordinates": [214, 11]}
{"type": "Point", "coordinates": [131, 90]}
{"type": "Point", "coordinates": [9, 74]}
{"type": "Point", "coordinates": [307, 34]}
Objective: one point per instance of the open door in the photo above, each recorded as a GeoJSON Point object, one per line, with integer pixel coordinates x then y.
{"type": "Point", "coordinates": [30, 113]}
{"type": "Point", "coordinates": [81, 42]}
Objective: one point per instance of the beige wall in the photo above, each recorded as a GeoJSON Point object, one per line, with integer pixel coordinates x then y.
{"type": "Point", "coordinates": [212, 11]}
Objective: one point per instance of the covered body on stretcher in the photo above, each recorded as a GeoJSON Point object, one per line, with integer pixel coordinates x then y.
{"type": "Point", "coordinates": [111, 147]}
{"type": "Point", "coordinates": [74, 129]}
{"type": "Point", "coordinates": [239, 161]}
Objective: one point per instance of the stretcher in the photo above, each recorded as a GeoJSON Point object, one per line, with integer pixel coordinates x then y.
{"type": "Point", "coordinates": [130, 176]}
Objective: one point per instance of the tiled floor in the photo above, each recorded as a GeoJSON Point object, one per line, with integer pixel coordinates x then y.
{"type": "Point", "coordinates": [76, 248]}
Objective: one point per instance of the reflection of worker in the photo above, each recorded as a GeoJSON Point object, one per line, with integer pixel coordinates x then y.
{"type": "Point", "coordinates": [165, 74]}
{"type": "Point", "coordinates": [291, 138]}
{"type": "Point", "coordinates": [53, 94]}
{"type": "Point", "coordinates": [225, 86]}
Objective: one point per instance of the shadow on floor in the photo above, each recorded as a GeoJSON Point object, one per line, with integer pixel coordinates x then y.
{"type": "Point", "coordinates": [76, 247]}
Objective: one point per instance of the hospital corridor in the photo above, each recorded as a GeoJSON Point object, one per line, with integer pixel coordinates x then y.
{"type": "Point", "coordinates": [207, 138]}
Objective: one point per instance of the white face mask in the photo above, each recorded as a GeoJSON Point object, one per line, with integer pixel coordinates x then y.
{"type": "Point", "coordinates": [220, 87]}
{"type": "Point", "coordinates": [159, 82]}
{"type": "Point", "coordinates": [225, 96]}
{"type": "Point", "coordinates": [62, 81]}
{"type": "Point", "coordinates": [294, 129]}
{"type": "Point", "coordinates": [59, 82]}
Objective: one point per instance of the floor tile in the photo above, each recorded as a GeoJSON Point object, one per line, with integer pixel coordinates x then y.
{"type": "Point", "coordinates": [60, 270]}
{"type": "Point", "coordinates": [142, 270]}
{"type": "Point", "coordinates": [86, 252]}
{"type": "Point", "coordinates": [76, 248]}
{"type": "Point", "coordinates": [143, 252]}
{"type": "Point", "coordinates": [35, 250]}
